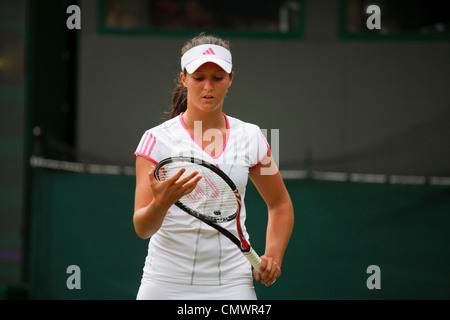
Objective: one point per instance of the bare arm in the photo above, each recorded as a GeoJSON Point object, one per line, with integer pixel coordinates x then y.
{"type": "Point", "coordinates": [280, 222]}
{"type": "Point", "coordinates": [154, 198]}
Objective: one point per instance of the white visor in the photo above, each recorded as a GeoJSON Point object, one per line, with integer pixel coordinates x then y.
{"type": "Point", "coordinates": [204, 53]}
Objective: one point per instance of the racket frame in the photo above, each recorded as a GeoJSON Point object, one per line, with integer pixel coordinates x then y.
{"type": "Point", "coordinates": [241, 243]}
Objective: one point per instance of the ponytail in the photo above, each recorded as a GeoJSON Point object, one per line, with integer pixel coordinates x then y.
{"type": "Point", "coordinates": [179, 95]}
{"type": "Point", "coordinates": [179, 100]}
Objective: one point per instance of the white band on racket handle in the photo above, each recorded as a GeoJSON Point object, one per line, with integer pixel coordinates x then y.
{"type": "Point", "coordinates": [254, 259]}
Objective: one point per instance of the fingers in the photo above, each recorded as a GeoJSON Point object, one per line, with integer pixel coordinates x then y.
{"type": "Point", "coordinates": [176, 176]}
{"type": "Point", "coordinates": [151, 176]}
{"type": "Point", "coordinates": [190, 186]}
{"type": "Point", "coordinates": [188, 178]}
{"type": "Point", "coordinates": [167, 192]}
{"type": "Point", "coordinates": [175, 179]}
{"type": "Point", "coordinates": [256, 275]}
{"type": "Point", "coordinates": [269, 271]}
{"type": "Point", "coordinates": [188, 183]}
{"type": "Point", "coordinates": [176, 186]}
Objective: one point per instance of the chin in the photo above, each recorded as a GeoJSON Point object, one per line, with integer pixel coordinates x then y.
{"type": "Point", "coordinates": [209, 108]}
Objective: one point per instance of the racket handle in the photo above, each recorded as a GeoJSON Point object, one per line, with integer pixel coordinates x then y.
{"type": "Point", "coordinates": [254, 259]}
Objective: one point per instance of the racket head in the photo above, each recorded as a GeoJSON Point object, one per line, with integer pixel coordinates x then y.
{"type": "Point", "coordinates": [215, 198]}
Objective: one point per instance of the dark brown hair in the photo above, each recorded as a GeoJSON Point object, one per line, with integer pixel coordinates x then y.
{"type": "Point", "coordinates": [179, 95]}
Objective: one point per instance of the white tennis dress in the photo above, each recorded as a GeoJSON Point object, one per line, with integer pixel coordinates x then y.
{"type": "Point", "coordinates": [188, 259]}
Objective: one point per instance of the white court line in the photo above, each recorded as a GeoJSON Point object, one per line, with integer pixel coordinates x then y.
{"type": "Point", "coordinates": [38, 162]}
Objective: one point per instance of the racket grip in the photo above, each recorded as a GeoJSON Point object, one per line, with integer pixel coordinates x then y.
{"type": "Point", "coordinates": [254, 259]}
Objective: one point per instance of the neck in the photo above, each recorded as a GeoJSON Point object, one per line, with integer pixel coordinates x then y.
{"type": "Point", "coordinates": [208, 130]}
{"type": "Point", "coordinates": [209, 120]}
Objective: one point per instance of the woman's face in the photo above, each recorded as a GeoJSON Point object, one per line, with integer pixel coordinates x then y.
{"type": "Point", "coordinates": [207, 87]}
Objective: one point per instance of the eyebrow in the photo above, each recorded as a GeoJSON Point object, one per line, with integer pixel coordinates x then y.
{"type": "Point", "coordinates": [216, 71]}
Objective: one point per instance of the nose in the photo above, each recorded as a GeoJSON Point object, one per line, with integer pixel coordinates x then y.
{"type": "Point", "coordinates": [208, 85]}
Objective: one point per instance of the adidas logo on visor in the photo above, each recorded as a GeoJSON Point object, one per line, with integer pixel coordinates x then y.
{"type": "Point", "coordinates": [209, 51]}
{"type": "Point", "coordinates": [195, 57]}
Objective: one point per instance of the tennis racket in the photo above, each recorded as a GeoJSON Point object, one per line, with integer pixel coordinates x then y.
{"type": "Point", "coordinates": [214, 200]}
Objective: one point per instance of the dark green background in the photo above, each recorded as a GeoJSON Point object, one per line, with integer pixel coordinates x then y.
{"type": "Point", "coordinates": [341, 229]}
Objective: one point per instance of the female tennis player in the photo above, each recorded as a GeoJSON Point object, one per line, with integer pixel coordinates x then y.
{"type": "Point", "coordinates": [187, 259]}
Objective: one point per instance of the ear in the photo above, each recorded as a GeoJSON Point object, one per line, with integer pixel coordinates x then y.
{"type": "Point", "coordinates": [231, 79]}
{"type": "Point", "coordinates": [183, 78]}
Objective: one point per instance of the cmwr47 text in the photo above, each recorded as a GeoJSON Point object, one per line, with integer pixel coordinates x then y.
{"type": "Point", "coordinates": [226, 309]}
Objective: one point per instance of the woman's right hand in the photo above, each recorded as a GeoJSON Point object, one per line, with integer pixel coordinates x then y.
{"type": "Point", "coordinates": [167, 192]}
{"type": "Point", "coordinates": [153, 198]}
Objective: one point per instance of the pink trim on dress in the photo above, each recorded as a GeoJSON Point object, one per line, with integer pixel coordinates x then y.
{"type": "Point", "coordinates": [265, 156]}
{"type": "Point", "coordinates": [136, 154]}
{"type": "Point", "coordinates": [142, 152]}
{"type": "Point", "coordinates": [192, 137]}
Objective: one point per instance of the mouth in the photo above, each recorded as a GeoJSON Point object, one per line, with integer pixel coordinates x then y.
{"type": "Point", "coordinates": [208, 97]}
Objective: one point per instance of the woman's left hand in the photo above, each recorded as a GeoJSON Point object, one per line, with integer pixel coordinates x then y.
{"type": "Point", "coordinates": [270, 271]}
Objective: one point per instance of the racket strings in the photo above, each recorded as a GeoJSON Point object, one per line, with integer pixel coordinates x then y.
{"type": "Point", "coordinates": [213, 198]}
